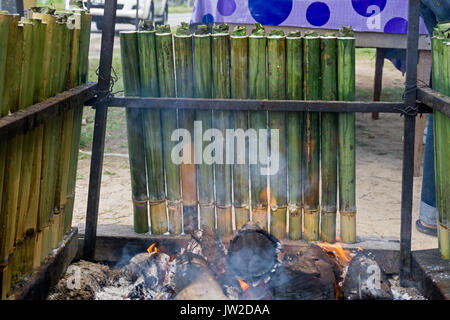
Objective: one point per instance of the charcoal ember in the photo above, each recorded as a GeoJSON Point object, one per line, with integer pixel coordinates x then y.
{"type": "Point", "coordinates": [139, 291]}
{"type": "Point", "coordinates": [290, 284]}
{"type": "Point", "coordinates": [365, 280]}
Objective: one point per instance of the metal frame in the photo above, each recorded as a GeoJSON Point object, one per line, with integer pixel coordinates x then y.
{"type": "Point", "coordinates": [30, 117]}
{"type": "Point", "coordinates": [409, 108]}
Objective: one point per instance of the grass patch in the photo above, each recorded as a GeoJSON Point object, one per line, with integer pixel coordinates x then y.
{"type": "Point", "coordinates": [57, 4]}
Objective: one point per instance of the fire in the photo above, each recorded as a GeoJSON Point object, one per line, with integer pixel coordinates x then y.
{"type": "Point", "coordinates": [152, 248]}
{"type": "Point", "coordinates": [343, 255]}
{"type": "Point", "coordinates": [243, 285]}
{"type": "Point", "coordinates": [267, 194]}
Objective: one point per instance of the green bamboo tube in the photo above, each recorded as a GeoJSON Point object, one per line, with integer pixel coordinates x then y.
{"type": "Point", "coordinates": [311, 78]}
{"type": "Point", "coordinates": [83, 58]}
{"type": "Point", "coordinates": [166, 78]}
{"type": "Point", "coordinates": [239, 90]}
{"type": "Point", "coordinates": [130, 67]}
{"type": "Point", "coordinates": [346, 124]}
{"type": "Point", "coordinates": [5, 21]}
{"type": "Point", "coordinates": [45, 92]}
{"type": "Point", "coordinates": [26, 93]}
{"type": "Point", "coordinates": [152, 132]}
{"type": "Point", "coordinates": [294, 91]}
{"type": "Point", "coordinates": [329, 139]}
{"type": "Point", "coordinates": [441, 83]}
{"type": "Point", "coordinates": [258, 120]}
{"type": "Point", "coordinates": [11, 182]}
{"type": "Point", "coordinates": [33, 208]}
{"type": "Point", "coordinates": [276, 56]}
{"type": "Point", "coordinates": [220, 61]}
{"type": "Point", "coordinates": [203, 89]}
{"type": "Point", "coordinates": [12, 81]}
{"type": "Point", "coordinates": [185, 89]}
{"type": "Point", "coordinates": [76, 125]}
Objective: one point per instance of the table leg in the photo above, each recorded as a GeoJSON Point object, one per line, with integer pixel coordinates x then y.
{"type": "Point", "coordinates": [378, 82]}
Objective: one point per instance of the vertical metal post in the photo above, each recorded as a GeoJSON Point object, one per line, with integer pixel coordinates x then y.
{"type": "Point", "coordinates": [98, 144]}
{"type": "Point", "coordinates": [408, 142]}
{"type": "Point", "coordinates": [137, 15]}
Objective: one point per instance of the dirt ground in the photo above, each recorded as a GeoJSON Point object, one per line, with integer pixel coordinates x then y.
{"type": "Point", "coordinates": [379, 170]}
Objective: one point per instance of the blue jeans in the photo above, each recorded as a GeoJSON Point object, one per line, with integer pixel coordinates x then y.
{"type": "Point", "coordinates": [428, 211]}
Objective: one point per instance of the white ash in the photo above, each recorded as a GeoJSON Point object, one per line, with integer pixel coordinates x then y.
{"type": "Point", "coordinates": [402, 293]}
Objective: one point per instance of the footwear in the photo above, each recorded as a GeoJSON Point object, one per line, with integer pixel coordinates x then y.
{"type": "Point", "coordinates": [424, 229]}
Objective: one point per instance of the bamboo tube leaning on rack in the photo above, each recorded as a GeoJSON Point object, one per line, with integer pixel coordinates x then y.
{"type": "Point", "coordinates": [239, 90]}
{"type": "Point", "coordinates": [26, 93]}
{"type": "Point", "coordinates": [47, 170]}
{"type": "Point", "coordinates": [184, 68]}
{"type": "Point", "coordinates": [441, 124]}
{"type": "Point", "coordinates": [258, 121]}
{"type": "Point", "coordinates": [276, 56]}
{"type": "Point", "coordinates": [202, 87]}
{"type": "Point", "coordinates": [11, 181]}
{"type": "Point", "coordinates": [80, 57]}
{"type": "Point", "coordinates": [5, 21]}
{"type": "Point", "coordinates": [294, 91]}
{"type": "Point", "coordinates": [346, 125]}
{"type": "Point", "coordinates": [148, 73]}
{"type": "Point", "coordinates": [166, 76]}
{"type": "Point", "coordinates": [220, 43]}
{"type": "Point", "coordinates": [329, 138]}
{"type": "Point", "coordinates": [130, 67]}
{"type": "Point", "coordinates": [311, 78]}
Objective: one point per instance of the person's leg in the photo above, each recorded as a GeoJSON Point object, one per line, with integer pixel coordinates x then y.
{"type": "Point", "coordinates": [428, 211]}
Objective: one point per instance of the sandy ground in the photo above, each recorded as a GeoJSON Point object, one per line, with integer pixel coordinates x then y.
{"type": "Point", "coordinates": [379, 169]}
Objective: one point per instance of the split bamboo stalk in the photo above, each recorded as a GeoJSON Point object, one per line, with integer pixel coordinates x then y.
{"type": "Point", "coordinates": [329, 139]}
{"type": "Point", "coordinates": [294, 91]}
{"type": "Point", "coordinates": [220, 43]}
{"type": "Point", "coordinates": [185, 89]}
{"type": "Point", "coordinates": [202, 87]}
{"type": "Point", "coordinates": [239, 90]}
{"type": "Point", "coordinates": [152, 132]}
{"type": "Point", "coordinates": [130, 67]}
{"type": "Point", "coordinates": [346, 125]}
{"type": "Point", "coordinates": [311, 78]}
{"type": "Point", "coordinates": [83, 57]}
{"type": "Point", "coordinates": [166, 77]}
{"type": "Point", "coordinates": [258, 121]}
{"type": "Point", "coordinates": [276, 56]}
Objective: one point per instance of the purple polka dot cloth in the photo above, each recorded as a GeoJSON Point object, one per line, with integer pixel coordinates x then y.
{"type": "Point", "coordinates": [388, 16]}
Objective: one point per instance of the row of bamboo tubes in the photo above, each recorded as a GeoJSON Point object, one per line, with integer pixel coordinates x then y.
{"type": "Point", "coordinates": [158, 63]}
{"type": "Point", "coordinates": [41, 55]}
{"type": "Point", "coordinates": [441, 83]}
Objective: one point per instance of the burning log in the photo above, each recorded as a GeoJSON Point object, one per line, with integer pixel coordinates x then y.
{"type": "Point", "coordinates": [309, 274]}
{"type": "Point", "coordinates": [365, 279]}
{"type": "Point", "coordinates": [193, 280]}
{"type": "Point", "coordinates": [253, 252]}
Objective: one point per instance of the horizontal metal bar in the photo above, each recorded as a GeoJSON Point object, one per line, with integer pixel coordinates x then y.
{"type": "Point", "coordinates": [256, 105]}
{"type": "Point", "coordinates": [434, 100]}
{"type": "Point", "coordinates": [26, 119]}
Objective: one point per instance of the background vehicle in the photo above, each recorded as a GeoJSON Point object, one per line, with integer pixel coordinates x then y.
{"type": "Point", "coordinates": [156, 10]}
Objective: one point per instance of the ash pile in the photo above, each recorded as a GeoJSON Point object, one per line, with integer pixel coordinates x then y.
{"type": "Point", "coordinates": [252, 267]}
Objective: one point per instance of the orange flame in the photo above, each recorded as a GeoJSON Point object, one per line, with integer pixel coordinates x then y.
{"type": "Point", "coordinates": [266, 194]}
{"type": "Point", "coordinates": [152, 248]}
{"type": "Point", "coordinates": [343, 255]}
{"type": "Point", "coordinates": [243, 285]}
